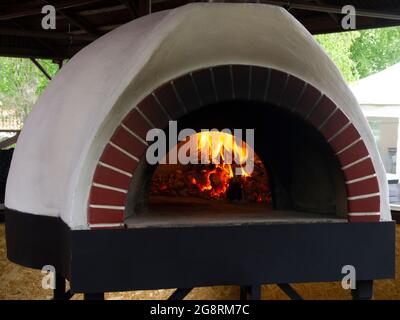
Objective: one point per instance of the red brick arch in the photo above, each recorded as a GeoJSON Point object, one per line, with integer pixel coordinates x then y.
{"type": "Point", "coordinates": [113, 174]}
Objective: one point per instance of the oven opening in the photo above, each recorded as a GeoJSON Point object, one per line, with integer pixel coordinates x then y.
{"type": "Point", "coordinates": [294, 178]}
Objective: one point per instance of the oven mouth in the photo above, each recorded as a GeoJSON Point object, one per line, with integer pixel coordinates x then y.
{"type": "Point", "coordinates": [290, 190]}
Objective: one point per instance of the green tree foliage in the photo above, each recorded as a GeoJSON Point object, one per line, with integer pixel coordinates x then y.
{"type": "Point", "coordinates": [376, 50]}
{"type": "Point", "coordinates": [359, 54]}
{"type": "Point", "coordinates": [338, 47]}
{"type": "Point", "coordinates": [21, 82]}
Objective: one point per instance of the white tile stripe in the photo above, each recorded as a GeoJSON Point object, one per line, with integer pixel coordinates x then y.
{"type": "Point", "coordinates": [358, 214]}
{"type": "Point", "coordinates": [284, 90]}
{"type": "Point", "coordinates": [361, 179]}
{"type": "Point", "coordinates": [103, 186]}
{"type": "Point", "coordinates": [105, 225]}
{"type": "Point", "coordinates": [339, 131]}
{"type": "Point", "coordinates": [302, 92]}
{"type": "Point", "coordinates": [348, 146]}
{"type": "Point", "coordinates": [355, 162]}
{"type": "Point", "coordinates": [267, 85]}
{"type": "Point", "coordinates": [123, 151]}
{"type": "Point", "coordinates": [134, 134]}
{"type": "Point", "coordinates": [315, 105]}
{"type": "Point", "coordinates": [327, 119]}
{"type": "Point", "coordinates": [364, 196]}
{"type": "Point", "coordinates": [213, 84]}
{"type": "Point", "coordinates": [232, 82]}
{"type": "Point", "coordinates": [145, 118]}
{"type": "Point", "coordinates": [196, 89]}
{"type": "Point", "coordinates": [250, 82]}
{"type": "Point", "coordinates": [178, 97]}
{"type": "Point", "coordinates": [103, 164]}
{"type": "Point", "coordinates": [161, 106]}
{"type": "Point", "coordinates": [104, 206]}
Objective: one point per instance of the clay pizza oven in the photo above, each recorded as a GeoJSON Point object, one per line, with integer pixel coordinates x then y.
{"type": "Point", "coordinates": [82, 196]}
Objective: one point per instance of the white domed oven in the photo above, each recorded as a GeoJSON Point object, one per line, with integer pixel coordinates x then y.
{"type": "Point", "coordinates": [83, 197]}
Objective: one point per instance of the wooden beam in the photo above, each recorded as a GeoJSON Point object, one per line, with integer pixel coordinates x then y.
{"type": "Point", "coordinates": [75, 19]}
{"type": "Point", "coordinates": [80, 22]}
{"type": "Point", "coordinates": [104, 29]}
{"type": "Point", "coordinates": [9, 141]}
{"type": "Point", "coordinates": [35, 7]}
{"type": "Point", "coordinates": [322, 25]}
{"type": "Point", "coordinates": [144, 7]}
{"type": "Point", "coordinates": [41, 42]}
{"type": "Point", "coordinates": [333, 16]}
{"type": "Point", "coordinates": [44, 34]}
{"type": "Point", "coordinates": [92, 12]}
{"type": "Point", "coordinates": [38, 52]}
{"type": "Point", "coordinates": [130, 5]}
{"type": "Point", "coordinates": [385, 15]}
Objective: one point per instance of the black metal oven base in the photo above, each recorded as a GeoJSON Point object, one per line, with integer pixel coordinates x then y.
{"type": "Point", "coordinates": [97, 261]}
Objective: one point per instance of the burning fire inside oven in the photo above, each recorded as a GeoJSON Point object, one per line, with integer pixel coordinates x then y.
{"type": "Point", "coordinates": [214, 177]}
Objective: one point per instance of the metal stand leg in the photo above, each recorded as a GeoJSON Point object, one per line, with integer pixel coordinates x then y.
{"type": "Point", "coordinates": [180, 293]}
{"type": "Point", "coordinates": [59, 291]}
{"type": "Point", "coordinates": [364, 290]}
{"type": "Point", "coordinates": [255, 292]}
{"type": "Point", "coordinates": [289, 291]}
{"type": "Point", "coordinates": [243, 292]}
{"type": "Point", "coordinates": [252, 292]}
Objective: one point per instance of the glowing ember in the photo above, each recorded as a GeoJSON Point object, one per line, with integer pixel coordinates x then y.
{"type": "Point", "coordinates": [217, 178]}
{"type": "Point", "coordinates": [215, 147]}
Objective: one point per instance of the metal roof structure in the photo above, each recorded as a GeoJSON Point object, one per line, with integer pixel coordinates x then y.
{"type": "Point", "coordinates": [79, 22]}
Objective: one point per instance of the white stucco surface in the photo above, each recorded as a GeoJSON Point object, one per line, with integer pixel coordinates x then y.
{"type": "Point", "coordinates": [72, 121]}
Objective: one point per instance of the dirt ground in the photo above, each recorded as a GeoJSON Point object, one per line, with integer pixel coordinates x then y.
{"type": "Point", "coordinates": [17, 282]}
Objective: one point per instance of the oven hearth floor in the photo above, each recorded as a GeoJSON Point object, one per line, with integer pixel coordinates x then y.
{"type": "Point", "coordinates": [188, 212]}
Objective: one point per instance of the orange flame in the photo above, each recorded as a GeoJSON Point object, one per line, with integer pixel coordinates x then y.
{"type": "Point", "coordinates": [217, 148]}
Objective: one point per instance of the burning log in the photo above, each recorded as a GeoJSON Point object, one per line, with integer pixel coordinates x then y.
{"type": "Point", "coordinates": [212, 181]}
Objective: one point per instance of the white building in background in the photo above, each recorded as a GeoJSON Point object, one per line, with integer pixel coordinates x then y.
{"type": "Point", "coordinates": [379, 98]}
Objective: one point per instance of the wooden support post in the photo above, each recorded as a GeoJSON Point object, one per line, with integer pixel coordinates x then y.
{"type": "Point", "coordinates": [59, 62]}
{"type": "Point", "coordinates": [144, 7]}
{"type": "Point", "coordinates": [41, 68]}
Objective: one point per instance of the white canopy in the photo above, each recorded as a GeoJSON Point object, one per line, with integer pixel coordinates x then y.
{"type": "Point", "coordinates": [379, 89]}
